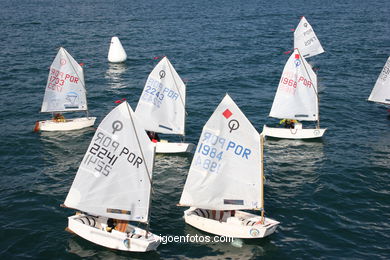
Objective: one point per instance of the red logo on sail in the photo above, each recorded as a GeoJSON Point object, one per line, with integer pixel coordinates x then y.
{"type": "Point", "coordinates": [227, 113]}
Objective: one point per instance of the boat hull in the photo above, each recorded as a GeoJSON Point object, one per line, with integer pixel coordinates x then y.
{"type": "Point", "coordinates": [242, 225]}
{"type": "Point", "coordinates": [94, 230]}
{"type": "Point", "coordinates": [68, 125]}
{"type": "Point", "coordinates": [293, 133]}
{"type": "Point", "coordinates": [168, 147]}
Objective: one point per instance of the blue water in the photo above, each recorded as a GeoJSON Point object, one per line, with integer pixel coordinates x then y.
{"type": "Point", "coordinates": [331, 196]}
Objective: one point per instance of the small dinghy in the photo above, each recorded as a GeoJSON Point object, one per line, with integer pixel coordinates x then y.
{"type": "Point", "coordinates": [226, 178]}
{"type": "Point", "coordinates": [381, 91]}
{"type": "Point", "coordinates": [65, 92]}
{"type": "Point", "coordinates": [162, 107]}
{"type": "Point", "coordinates": [296, 99]}
{"type": "Point", "coordinates": [306, 40]}
{"type": "Point", "coordinates": [116, 52]}
{"type": "Point", "coordinates": [113, 185]}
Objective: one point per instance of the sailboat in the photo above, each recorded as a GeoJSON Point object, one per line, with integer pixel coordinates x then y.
{"type": "Point", "coordinates": [116, 52]}
{"type": "Point", "coordinates": [306, 40]}
{"type": "Point", "coordinates": [296, 99]}
{"type": "Point", "coordinates": [381, 91]}
{"type": "Point", "coordinates": [113, 185]}
{"type": "Point", "coordinates": [162, 106]}
{"type": "Point", "coordinates": [226, 177]}
{"type": "Point", "coordinates": [65, 92]}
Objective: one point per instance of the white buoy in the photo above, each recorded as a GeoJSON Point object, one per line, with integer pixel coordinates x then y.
{"type": "Point", "coordinates": [116, 53]}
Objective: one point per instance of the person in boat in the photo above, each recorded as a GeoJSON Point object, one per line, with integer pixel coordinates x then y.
{"type": "Point", "coordinates": [110, 224]}
{"type": "Point", "coordinates": [153, 136]}
{"type": "Point", "coordinates": [288, 123]}
{"type": "Point", "coordinates": [58, 117]}
{"type": "Point", "coordinates": [117, 224]}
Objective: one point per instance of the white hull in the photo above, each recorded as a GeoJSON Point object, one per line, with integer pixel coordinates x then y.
{"type": "Point", "coordinates": [94, 230]}
{"type": "Point", "coordinates": [293, 133]}
{"type": "Point", "coordinates": [69, 124]}
{"type": "Point", "coordinates": [242, 225]}
{"type": "Point", "coordinates": [167, 147]}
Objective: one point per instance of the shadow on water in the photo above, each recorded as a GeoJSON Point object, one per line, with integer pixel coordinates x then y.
{"type": "Point", "coordinates": [203, 245]}
{"type": "Point", "coordinates": [61, 154]}
{"type": "Point", "coordinates": [85, 249]}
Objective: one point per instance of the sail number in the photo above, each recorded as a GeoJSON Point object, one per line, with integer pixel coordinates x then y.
{"type": "Point", "coordinates": [102, 154]}
{"type": "Point", "coordinates": [57, 79]}
{"type": "Point", "coordinates": [155, 92]}
{"type": "Point", "coordinates": [211, 149]}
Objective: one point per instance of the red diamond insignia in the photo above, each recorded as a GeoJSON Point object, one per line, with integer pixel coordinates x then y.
{"type": "Point", "coordinates": [227, 113]}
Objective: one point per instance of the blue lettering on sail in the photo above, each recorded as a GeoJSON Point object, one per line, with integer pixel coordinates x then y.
{"type": "Point", "coordinates": [155, 92]}
{"type": "Point", "coordinates": [211, 149]}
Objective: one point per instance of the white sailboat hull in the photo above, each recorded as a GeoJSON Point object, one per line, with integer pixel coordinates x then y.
{"type": "Point", "coordinates": [242, 225]}
{"type": "Point", "coordinates": [69, 124]}
{"type": "Point", "coordinates": [94, 229]}
{"type": "Point", "coordinates": [167, 147]}
{"type": "Point", "coordinates": [293, 133]}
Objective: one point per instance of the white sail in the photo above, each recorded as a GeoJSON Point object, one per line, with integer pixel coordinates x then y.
{"type": "Point", "coordinates": [65, 88]}
{"type": "Point", "coordinates": [381, 91]}
{"type": "Point", "coordinates": [306, 40]}
{"type": "Point", "coordinates": [116, 52]}
{"type": "Point", "coordinates": [162, 102]}
{"type": "Point", "coordinates": [113, 179]}
{"type": "Point", "coordinates": [296, 96]}
{"type": "Point", "coordinates": [225, 172]}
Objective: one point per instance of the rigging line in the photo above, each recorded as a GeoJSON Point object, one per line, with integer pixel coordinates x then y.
{"type": "Point", "coordinates": [139, 146]}
{"type": "Point", "coordinates": [176, 86]}
{"type": "Point", "coordinates": [315, 90]}
{"type": "Point", "coordinates": [82, 82]}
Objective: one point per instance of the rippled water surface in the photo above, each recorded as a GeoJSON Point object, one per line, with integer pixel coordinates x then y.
{"type": "Point", "coordinates": [331, 196]}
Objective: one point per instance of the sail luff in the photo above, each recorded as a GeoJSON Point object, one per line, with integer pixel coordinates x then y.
{"type": "Point", "coordinates": [180, 94]}
{"type": "Point", "coordinates": [262, 176]}
{"type": "Point", "coordinates": [139, 145]}
{"type": "Point", "coordinates": [315, 89]}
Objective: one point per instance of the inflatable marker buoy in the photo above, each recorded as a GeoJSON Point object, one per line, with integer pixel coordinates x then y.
{"type": "Point", "coordinates": [116, 53]}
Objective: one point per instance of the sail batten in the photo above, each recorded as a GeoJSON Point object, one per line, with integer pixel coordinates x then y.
{"type": "Point", "coordinates": [65, 89]}
{"type": "Point", "coordinates": [225, 170]}
{"type": "Point", "coordinates": [114, 177]}
{"type": "Point", "coordinates": [297, 93]}
{"type": "Point", "coordinates": [306, 40]}
{"type": "Point", "coordinates": [162, 102]}
{"type": "Point", "coordinates": [381, 91]}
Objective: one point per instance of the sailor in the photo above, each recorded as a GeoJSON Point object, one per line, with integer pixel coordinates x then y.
{"type": "Point", "coordinates": [153, 136]}
{"type": "Point", "coordinates": [288, 123]}
{"type": "Point", "coordinates": [58, 117]}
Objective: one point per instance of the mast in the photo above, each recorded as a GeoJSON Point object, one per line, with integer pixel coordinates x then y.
{"type": "Point", "coordinates": [315, 90]}
{"type": "Point", "coordinates": [183, 102]}
{"type": "Point", "coordinates": [150, 195]}
{"type": "Point", "coordinates": [262, 177]}
{"type": "Point", "coordinates": [147, 171]}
